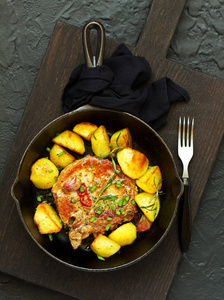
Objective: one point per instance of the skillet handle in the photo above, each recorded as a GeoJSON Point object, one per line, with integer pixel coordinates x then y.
{"type": "Point", "coordinates": [16, 191]}
{"type": "Point", "coordinates": [91, 59]}
{"type": "Point", "coordinates": [185, 217]}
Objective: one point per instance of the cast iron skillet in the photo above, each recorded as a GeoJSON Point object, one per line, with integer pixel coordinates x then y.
{"type": "Point", "coordinates": [145, 139]}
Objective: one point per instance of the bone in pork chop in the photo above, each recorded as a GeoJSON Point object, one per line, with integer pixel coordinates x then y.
{"type": "Point", "coordinates": [91, 198]}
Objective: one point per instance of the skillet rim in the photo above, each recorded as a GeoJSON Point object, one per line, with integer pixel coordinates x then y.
{"type": "Point", "coordinates": [74, 112]}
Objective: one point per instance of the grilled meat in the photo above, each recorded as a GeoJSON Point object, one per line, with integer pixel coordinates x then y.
{"type": "Point", "coordinates": [92, 198]}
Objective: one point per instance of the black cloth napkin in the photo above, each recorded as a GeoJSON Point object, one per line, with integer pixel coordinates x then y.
{"type": "Point", "coordinates": [121, 84]}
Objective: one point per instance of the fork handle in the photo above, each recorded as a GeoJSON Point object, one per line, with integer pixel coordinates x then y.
{"type": "Point", "coordinates": [185, 217]}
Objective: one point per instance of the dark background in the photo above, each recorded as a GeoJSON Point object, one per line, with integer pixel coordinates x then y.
{"type": "Point", "coordinates": [26, 27]}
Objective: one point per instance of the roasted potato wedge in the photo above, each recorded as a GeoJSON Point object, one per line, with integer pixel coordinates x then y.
{"type": "Point", "coordinates": [43, 173]}
{"type": "Point", "coordinates": [132, 162]}
{"type": "Point", "coordinates": [151, 181]}
{"type": "Point", "coordinates": [85, 130]}
{"type": "Point", "coordinates": [149, 204]}
{"type": "Point", "coordinates": [70, 140]}
{"type": "Point", "coordinates": [124, 235]}
{"type": "Point", "coordinates": [104, 246]}
{"type": "Point", "coordinates": [60, 157]}
{"type": "Point", "coordinates": [100, 142]}
{"type": "Point", "coordinates": [121, 138]}
{"type": "Point", "coordinates": [47, 219]}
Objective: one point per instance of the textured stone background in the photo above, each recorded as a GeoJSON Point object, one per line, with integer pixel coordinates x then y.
{"type": "Point", "coordinates": [25, 30]}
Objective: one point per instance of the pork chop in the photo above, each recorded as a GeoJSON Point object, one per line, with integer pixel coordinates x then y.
{"type": "Point", "coordinates": [92, 198]}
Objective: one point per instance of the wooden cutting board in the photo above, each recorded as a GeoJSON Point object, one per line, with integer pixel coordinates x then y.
{"type": "Point", "coordinates": [151, 277]}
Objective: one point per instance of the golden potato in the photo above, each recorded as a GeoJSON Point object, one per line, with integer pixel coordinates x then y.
{"type": "Point", "coordinates": [43, 173]}
{"type": "Point", "coordinates": [70, 140]}
{"type": "Point", "coordinates": [125, 234]}
{"type": "Point", "coordinates": [100, 142]}
{"type": "Point", "coordinates": [149, 204]}
{"type": "Point", "coordinates": [151, 181]}
{"type": "Point", "coordinates": [104, 246]}
{"type": "Point", "coordinates": [121, 138]}
{"type": "Point", "coordinates": [85, 130]}
{"type": "Point", "coordinates": [132, 162]}
{"type": "Point", "coordinates": [47, 219]}
{"type": "Point", "coordinates": [60, 157]}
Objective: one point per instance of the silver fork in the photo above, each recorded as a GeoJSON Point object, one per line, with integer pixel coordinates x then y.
{"type": "Point", "coordinates": [185, 152]}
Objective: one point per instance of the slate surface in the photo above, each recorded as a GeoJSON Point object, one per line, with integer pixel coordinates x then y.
{"type": "Point", "coordinates": [26, 36]}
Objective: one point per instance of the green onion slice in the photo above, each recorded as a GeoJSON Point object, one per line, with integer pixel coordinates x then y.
{"type": "Point", "coordinates": [93, 188]}
{"type": "Point", "coordinates": [61, 153]}
{"type": "Point", "coordinates": [100, 257]}
{"type": "Point", "coordinates": [82, 189]}
{"type": "Point", "coordinates": [108, 226]}
{"type": "Point", "coordinates": [50, 236]}
{"type": "Point", "coordinates": [92, 219]}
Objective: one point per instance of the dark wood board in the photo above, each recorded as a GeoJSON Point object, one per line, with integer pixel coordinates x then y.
{"type": "Point", "coordinates": [151, 277]}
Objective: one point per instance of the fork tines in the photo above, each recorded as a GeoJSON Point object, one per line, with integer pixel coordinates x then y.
{"type": "Point", "coordinates": [185, 133]}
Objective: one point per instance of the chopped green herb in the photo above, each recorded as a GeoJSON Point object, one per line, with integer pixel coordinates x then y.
{"type": "Point", "coordinates": [118, 183]}
{"type": "Point", "coordinates": [92, 219]}
{"type": "Point", "coordinates": [55, 177]}
{"type": "Point", "coordinates": [124, 202]}
{"type": "Point", "coordinates": [57, 134]}
{"type": "Point", "coordinates": [59, 168]}
{"type": "Point", "coordinates": [82, 189]}
{"type": "Point", "coordinates": [118, 213]}
{"type": "Point", "coordinates": [109, 219]}
{"type": "Point", "coordinates": [93, 188]}
{"type": "Point", "coordinates": [73, 200]}
{"type": "Point", "coordinates": [118, 171]}
{"type": "Point", "coordinates": [108, 226]}
{"type": "Point", "coordinates": [50, 236]}
{"type": "Point", "coordinates": [61, 153]}
{"type": "Point", "coordinates": [112, 207]}
{"type": "Point", "coordinates": [48, 149]}
{"type": "Point", "coordinates": [100, 257]}
{"type": "Point", "coordinates": [91, 165]}
{"type": "Point", "coordinates": [99, 211]}
{"type": "Point", "coordinates": [39, 199]}
{"type": "Point", "coordinates": [50, 171]}
{"type": "Point", "coordinates": [49, 194]}
{"type": "Point", "coordinates": [60, 221]}
{"type": "Point", "coordinates": [65, 227]}
{"type": "Point", "coordinates": [132, 201]}
{"type": "Point", "coordinates": [120, 203]}
{"type": "Point", "coordinates": [122, 211]}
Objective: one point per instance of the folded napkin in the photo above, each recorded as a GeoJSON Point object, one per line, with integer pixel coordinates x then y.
{"type": "Point", "coordinates": [121, 84]}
